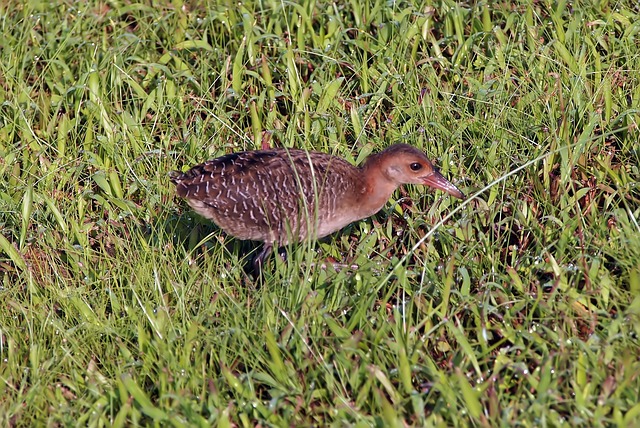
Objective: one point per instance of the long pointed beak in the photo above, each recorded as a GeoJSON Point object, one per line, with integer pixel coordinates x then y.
{"type": "Point", "coordinates": [437, 181]}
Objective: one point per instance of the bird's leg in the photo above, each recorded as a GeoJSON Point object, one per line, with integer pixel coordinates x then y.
{"type": "Point", "coordinates": [260, 258]}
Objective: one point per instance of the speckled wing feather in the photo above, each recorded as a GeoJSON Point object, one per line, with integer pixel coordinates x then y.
{"type": "Point", "coordinates": [269, 195]}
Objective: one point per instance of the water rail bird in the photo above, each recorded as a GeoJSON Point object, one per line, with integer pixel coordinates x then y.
{"type": "Point", "coordinates": [282, 196]}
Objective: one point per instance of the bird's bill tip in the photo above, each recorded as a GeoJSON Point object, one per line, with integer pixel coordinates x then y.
{"type": "Point", "coordinates": [437, 181]}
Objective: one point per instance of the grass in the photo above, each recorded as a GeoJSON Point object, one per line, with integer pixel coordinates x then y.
{"type": "Point", "coordinates": [518, 307]}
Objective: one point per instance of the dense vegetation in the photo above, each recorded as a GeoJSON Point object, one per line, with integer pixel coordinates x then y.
{"type": "Point", "coordinates": [518, 307]}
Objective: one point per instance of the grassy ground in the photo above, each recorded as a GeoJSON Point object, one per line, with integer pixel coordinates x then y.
{"type": "Point", "coordinates": [519, 307]}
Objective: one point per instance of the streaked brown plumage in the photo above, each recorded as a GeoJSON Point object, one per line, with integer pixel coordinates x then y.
{"type": "Point", "coordinates": [281, 196]}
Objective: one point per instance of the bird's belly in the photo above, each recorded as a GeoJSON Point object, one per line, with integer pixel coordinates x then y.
{"type": "Point", "coordinates": [328, 226]}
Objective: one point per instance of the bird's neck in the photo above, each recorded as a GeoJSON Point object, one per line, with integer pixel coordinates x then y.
{"type": "Point", "coordinates": [375, 191]}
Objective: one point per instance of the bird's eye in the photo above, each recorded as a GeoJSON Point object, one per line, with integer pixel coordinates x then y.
{"type": "Point", "coordinates": [415, 166]}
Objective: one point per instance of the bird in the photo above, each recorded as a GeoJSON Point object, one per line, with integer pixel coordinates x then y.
{"type": "Point", "coordinates": [283, 196]}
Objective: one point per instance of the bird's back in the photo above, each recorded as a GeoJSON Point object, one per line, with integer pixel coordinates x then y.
{"type": "Point", "coordinates": [279, 195]}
